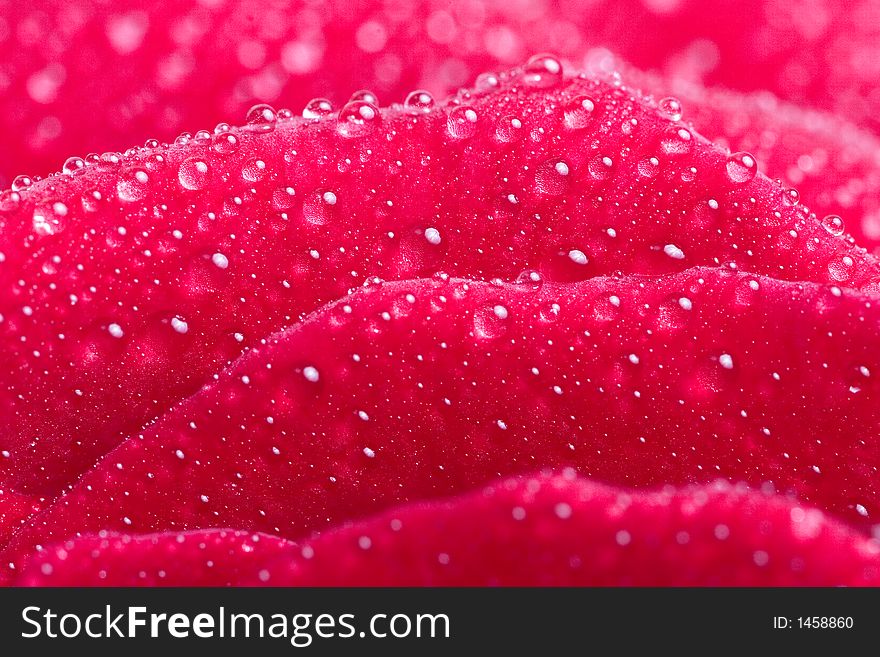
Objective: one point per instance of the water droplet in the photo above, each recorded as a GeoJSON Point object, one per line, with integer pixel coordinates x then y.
{"type": "Point", "coordinates": [318, 207]}
{"type": "Point", "coordinates": [462, 122]}
{"type": "Point", "coordinates": [225, 143]}
{"type": "Point", "coordinates": [357, 119]}
{"type": "Point", "coordinates": [509, 129]}
{"type": "Point", "coordinates": [311, 374]}
{"type": "Point", "coordinates": [649, 167]}
{"type": "Point", "coordinates": [9, 200]}
{"type": "Point", "coordinates": [578, 257]}
{"type": "Point", "coordinates": [542, 71]}
{"type": "Point", "coordinates": [673, 252]}
{"type": "Point", "coordinates": [726, 361]}
{"type": "Point", "coordinates": [317, 108]}
{"type": "Point", "coordinates": [433, 236]}
{"type": "Point", "coordinates": [578, 112]}
{"type": "Point", "coordinates": [600, 167]}
{"type": "Point", "coordinates": [282, 198]}
{"type": "Point", "coordinates": [253, 170]}
{"type": "Point", "coordinates": [364, 95]}
{"type": "Point", "coordinates": [530, 278]}
{"type": "Point", "coordinates": [670, 107]}
{"type": "Point", "coordinates": [419, 101]}
{"type": "Point", "coordinates": [110, 159]}
{"type": "Point", "coordinates": [833, 224]}
{"type": "Point", "coordinates": [132, 185]}
{"type": "Point", "coordinates": [21, 183]}
{"type": "Point", "coordinates": [487, 82]}
{"type": "Point", "coordinates": [261, 118]}
{"type": "Point", "coordinates": [552, 177]}
{"type": "Point", "coordinates": [741, 167]}
{"type": "Point", "coordinates": [179, 325]}
{"type": "Point", "coordinates": [791, 197]}
{"type": "Point", "coordinates": [220, 261]}
{"type": "Point", "coordinates": [115, 330]}
{"type": "Point", "coordinates": [193, 174]}
{"type": "Point", "coordinates": [202, 138]}
{"type": "Point", "coordinates": [73, 165]}
{"type": "Point", "coordinates": [490, 322]}
{"type": "Point", "coordinates": [676, 141]}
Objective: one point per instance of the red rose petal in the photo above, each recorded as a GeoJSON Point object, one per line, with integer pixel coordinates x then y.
{"type": "Point", "coordinates": [124, 287]}
{"type": "Point", "coordinates": [211, 558]}
{"type": "Point", "coordinates": [426, 388]}
{"type": "Point", "coordinates": [186, 65]}
{"type": "Point", "coordinates": [827, 162]}
{"type": "Point", "coordinates": [546, 531]}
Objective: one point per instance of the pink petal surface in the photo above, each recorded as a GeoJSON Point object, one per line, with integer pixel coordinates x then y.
{"type": "Point", "coordinates": [186, 65]}
{"type": "Point", "coordinates": [537, 531]}
{"type": "Point", "coordinates": [423, 388]}
{"type": "Point", "coordinates": [827, 162]}
{"type": "Point", "coordinates": [125, 287]}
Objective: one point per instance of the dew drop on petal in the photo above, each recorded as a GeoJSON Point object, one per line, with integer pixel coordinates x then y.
{"type": "Point", "coordinates": [833, 224]}
{"type": "Point", "coordinates": [741, 167]}
{"type": "Point", "coordinates": [73, 165]}
{"type": "Point", "coordinates": [419, 101]}
{"type": "Point", "coordinates": [193, 174]}
{"type": "Point", "coordinates": [261, 118]}
{"type": "Point", "coordinates": [578, 112]}
{"type": "Point", "coordinates": [578, 257]}
{"type": "Point", "coordinates": [542, 71]}
{"type": "Point", "coordinates": [317, 108]}
{"type": "Point", "coordinates": [357, 119]}
{"type": "Point", "coordinates": [462, 122]}
{"type": "Point", "coordinates": [670, 107]}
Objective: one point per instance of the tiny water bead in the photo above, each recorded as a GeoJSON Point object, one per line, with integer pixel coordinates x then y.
{"type": "Point", "coordinates": [224, 143]}
{"type": "Point", "coordinates": [578, 112]}
{"type": "Point", "coordinates": [542, 71]}
{"type": "Point", "coordinates": [193, 174]}
{"type": "Point", "coordinates": [578, 257]}
{"type": "Point", "coordinates": [433, 236]}
{"type": "Point", "coordinates": [671, 108]}
{"type": "Point", "coordinates": [676, 141]}
{"type": "Point", "coordinates": [833, 224]}
{"type": "Point", "coordinates": [509, 129]}
{"type": "Point", "coordinates": [364, 95]}
{"type": "Point", "coordinates": [261, 118]}
{"type": "Point", "coordinates": [253, 170]}
{"type": "Point", "coordinates": [357, 119]}
{"type": "Point", "coordinates": [419, 101]}
{"type": "Point", "coordinates": [551, 177]}
{"type": "Point", "coordinates": [317, 108]}
{"type": "Point", "coordinates": [179, 325]}
{"type": "Point", "coordinates": [462, 122]}
{"type": "Point", "coordinates": [73, 166]}
{"type": "Point", "coordinates": [791, 197]}
{"type": "Point", "coordinates": [311, 374]}
{"type": "Point", "coordinates": [132, 185]}
{"type": "Point", "coordinates": [741, 167]}
{"type": "Point", "coordinates": [21, 183]}
{"type": "Point", "coordinates": [673, 252]}
{"type": "Point", "coordinates": [220, 261]}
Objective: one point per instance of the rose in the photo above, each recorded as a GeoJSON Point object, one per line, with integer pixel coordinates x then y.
{"type": "Point", "coordinates": [533, 122]}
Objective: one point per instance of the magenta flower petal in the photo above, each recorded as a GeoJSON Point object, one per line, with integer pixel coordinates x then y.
{"type": "Point", "coordinates": [547, 530]}
{"type": "Point", "coordinates": [126, 286]}
{"type": "Point", "coordinates": [416, 389]}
